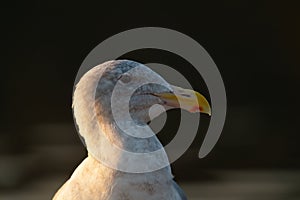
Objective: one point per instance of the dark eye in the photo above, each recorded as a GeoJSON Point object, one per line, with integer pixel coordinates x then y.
{"type": "Point", "coordinates": [125, 78]}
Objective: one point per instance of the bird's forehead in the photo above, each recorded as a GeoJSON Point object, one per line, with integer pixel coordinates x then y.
{"type": "Point", "coordinates": [119, 67]}
{"type": "Point", "coordinates": [112, 71]}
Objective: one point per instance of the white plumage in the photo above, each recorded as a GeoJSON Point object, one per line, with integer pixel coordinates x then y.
{"type": "Point", "coordinates": [93, 178]}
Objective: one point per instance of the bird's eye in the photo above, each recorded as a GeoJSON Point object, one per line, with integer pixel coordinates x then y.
{"type": "Point", "coordinates": [125, 78]}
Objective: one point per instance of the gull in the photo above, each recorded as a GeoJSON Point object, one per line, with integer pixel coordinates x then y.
{"type": "Point", "coordinates": [111, 104]}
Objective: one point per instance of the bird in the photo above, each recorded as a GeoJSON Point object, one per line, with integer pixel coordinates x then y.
{"type": "Point", "coordinates": [105, 174]}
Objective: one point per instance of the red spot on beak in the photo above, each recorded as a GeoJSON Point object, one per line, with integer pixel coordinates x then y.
{"type": "Point", "coordinates": [200, 108]}
{"type": "Point", "coordinates": [197, 108]}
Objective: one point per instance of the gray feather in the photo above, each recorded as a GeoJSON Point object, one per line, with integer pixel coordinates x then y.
{"type": "Point", "coordinates": [180, 191]}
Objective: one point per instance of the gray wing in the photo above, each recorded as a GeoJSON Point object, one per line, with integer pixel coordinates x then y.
{"type": "Point", "coordinates": [180, 191]}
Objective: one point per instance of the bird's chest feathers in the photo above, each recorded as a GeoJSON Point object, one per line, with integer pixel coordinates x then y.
{"type": "Point", "coordinates": [139, 186]}
{"type": "Point", "coordinates": [92, 180]}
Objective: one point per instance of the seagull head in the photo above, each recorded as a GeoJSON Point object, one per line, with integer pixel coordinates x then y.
{"type": "Point", "coordinates": [128, 90]}
{"type": "Point", "coordinates": [121, 94]}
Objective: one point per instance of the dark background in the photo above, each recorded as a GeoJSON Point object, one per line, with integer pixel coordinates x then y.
{"type": "Point", "coordinates": [255, 45]}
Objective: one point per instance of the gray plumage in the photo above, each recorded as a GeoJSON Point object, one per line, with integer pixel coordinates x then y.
{"type": "Point", "coordinates": [91, 103]}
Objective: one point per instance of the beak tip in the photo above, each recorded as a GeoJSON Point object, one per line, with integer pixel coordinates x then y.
{"type": "Point", "coordinates": [207, 113]}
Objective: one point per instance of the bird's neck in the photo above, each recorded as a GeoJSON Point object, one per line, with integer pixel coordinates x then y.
{"type": "Point", "coordinates": [107, 143]}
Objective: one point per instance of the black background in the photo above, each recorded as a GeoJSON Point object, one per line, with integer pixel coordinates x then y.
{"type": "Point", "coordinates": [255, 45]}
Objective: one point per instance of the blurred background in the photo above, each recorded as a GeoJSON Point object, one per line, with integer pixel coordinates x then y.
{"type": "Point", "coordinates": [255, 45]}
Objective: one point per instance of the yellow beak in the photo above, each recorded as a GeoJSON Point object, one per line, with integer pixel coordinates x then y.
{"type": "Point", "coordinates": [186, 99]}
